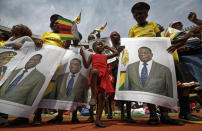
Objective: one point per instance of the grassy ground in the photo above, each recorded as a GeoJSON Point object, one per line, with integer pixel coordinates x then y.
{"type": "Point", "coordinates": [104, 115]}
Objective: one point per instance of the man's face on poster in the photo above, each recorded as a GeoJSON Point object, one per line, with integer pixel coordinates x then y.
{"type": "Point", "coordinates": [145, 54]}
{"type": "Point", "coordinates": [75, 66]}
{"type": "Point", "coordinates": [33, 61]}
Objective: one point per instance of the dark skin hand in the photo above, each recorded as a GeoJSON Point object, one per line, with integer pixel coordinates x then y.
{"type": "Point", "coordinates": [193, 18]}
{"type": "Point", "coordinates": [115, 53]}
{"type": "Point", "coordinates": [161, 28]}
{"type": "Point", "coordinates": [38, 43]}
{"type": "Point", "coordinates": [173, 47]}
{"type": "Point", "coordinates": [184, 48]}
{"type": "Point", "coordinates": [121, 48]}
{"type": "Point", "coordinates": [67, 44]}
{"type": "Point", "coordinates": [98, 35]}
{"type": "Point", "coordinates": [176, 44]}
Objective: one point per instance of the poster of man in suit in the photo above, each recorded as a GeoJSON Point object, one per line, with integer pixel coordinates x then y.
{"type": "Point", "coordinates": [23, 89]}
{"type": "Point", "coordinates": [71, 85]}
{"type": "Point", "coordinates": [148, 75]}
{"type": "Point", "coordinates": [24, 83]}
{"type": "Point", "coordinates": [146, 72]}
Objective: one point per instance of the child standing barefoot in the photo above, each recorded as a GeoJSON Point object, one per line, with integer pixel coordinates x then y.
{"type": "Point", "coordinates": [98, 77]}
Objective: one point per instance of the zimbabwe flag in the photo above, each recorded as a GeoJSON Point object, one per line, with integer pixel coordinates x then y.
{"type": "Point", "coordinates": [78, 19]}
{"type": "Point", "coordinates": [99, 29]}
{"type": "Point", "coordinates": [68, 29]}
{"type": "Point", "coordinates": [172, 33]}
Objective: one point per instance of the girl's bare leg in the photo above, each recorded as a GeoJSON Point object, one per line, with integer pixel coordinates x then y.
{"type": "Point", "coordinates": [93, 81]}
{"type": "Point", "coordinates": [100, 107]}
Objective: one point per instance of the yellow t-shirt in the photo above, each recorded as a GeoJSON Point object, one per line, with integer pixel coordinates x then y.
{"type": "Point", "coordinates": [51, 38]}
{"type": "Point", "coordinates": [148, 30]}
{"type": "Point", "coordinates": [2, 43]}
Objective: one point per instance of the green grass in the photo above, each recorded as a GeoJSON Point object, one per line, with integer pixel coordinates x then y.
{"type": "Point", "coordinates": [104, 115]}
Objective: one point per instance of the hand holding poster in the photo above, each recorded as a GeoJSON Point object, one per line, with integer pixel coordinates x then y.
{"type": "Point", "coordinates": [146, 72]}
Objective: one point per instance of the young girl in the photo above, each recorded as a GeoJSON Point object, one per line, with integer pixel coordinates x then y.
{"type": "Point", "coordinates": [98, 77]}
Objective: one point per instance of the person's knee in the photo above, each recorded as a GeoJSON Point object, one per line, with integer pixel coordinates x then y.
{"type": "Point", "coordinates": [101, 95]}
{"type": "Point", "coordinates": [94, 72]}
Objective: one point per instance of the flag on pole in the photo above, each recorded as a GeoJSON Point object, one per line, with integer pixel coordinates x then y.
{"type": "Point", "coordinates": [78, 18]}
{"type": "Point", "coordinates": [99, 29]}
{"type": "Point", "coordinates": [68, 29]}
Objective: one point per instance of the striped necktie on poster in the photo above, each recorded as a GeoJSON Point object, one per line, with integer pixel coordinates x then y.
{"type": "Point", "coordinates": [15, 82]}
{"type": "Point", "coordinates": [70, 85]}
{"type": "Point", "coordinates": [144, 73]}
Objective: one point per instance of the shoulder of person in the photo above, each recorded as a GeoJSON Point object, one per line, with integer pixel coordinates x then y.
{"type": "Point", "coordinates": [134, 27]}
{"type": "Point", "coordinates": [45, 34]}
{"type": "Point", "coordinates": [152, 23]}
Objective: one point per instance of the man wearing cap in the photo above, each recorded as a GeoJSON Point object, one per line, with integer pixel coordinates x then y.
{"type": "Point", "coordinates": [5, 57]}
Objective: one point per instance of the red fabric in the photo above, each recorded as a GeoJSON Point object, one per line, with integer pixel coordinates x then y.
{"type": "Point", "coordinates": [99, 61]}
{"type": "Point", "coordinates": [114, 32]}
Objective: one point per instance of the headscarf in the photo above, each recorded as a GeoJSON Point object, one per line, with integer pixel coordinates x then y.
{"type": "Point", "coordinates": [114, 32]}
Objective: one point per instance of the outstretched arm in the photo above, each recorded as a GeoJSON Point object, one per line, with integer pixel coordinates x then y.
{"type": "Point", "coordinates": [114, 52]}
{"type": "Point", "coordinates": [193, 18]}
{"type": "Point", "coordinates": [176, 44]}
{"type": "Point", "coordinates": [85, 63]}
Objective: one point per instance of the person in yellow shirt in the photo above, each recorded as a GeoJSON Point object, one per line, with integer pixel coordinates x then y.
{"type": "Point", "coordinates": [3, 38]}
{"type": "Point", "coordinates": [144, 28]}
{"type": "Point", "coordinates": [52, 38]}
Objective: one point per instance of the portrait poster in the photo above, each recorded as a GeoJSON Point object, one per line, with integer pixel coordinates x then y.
{"type": "Point", "coordinates": [159, 87]}
{"type": "Point", "coordinates": [64, 95]}
{"type": "Point", "coordinates": [106, 41]}
{"type": "Point", "coordinates": [9, 58]}
{"type": "Point", "coordinates": [21, 93]}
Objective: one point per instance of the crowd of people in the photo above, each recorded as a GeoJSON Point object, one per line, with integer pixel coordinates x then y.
{"type": "Point", "coordinates": [186, 49]}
